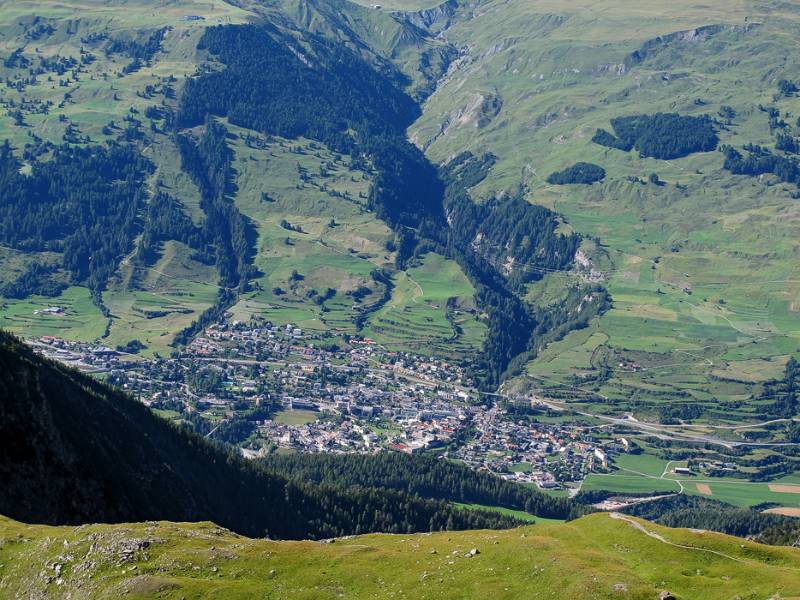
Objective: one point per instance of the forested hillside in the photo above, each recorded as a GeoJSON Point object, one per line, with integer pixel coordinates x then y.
{"type": "Point", "coordinates": [82, 203]}
{"type": "Point", "coordinates": [309, 91]}
{"type": "Point", "coordinates": [134, 466]}
{"type": "Point", "coordinates": [229, 234]}
{"type": "Point", "coordinates": [702, 513]}
{"type": "Point", "coordinates": [180, 92]}
{"type": "Point", "coordinates": [504, 244]}
{"type": "Point", "coordinates": [324, 92]}
{"type": "Point", "coordinates": [422, 476]}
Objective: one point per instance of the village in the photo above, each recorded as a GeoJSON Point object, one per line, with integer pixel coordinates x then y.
{"type": "Point", "coordinates": [268, 388]}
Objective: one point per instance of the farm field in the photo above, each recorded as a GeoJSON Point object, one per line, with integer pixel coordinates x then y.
{"type": "Point", "coordinates": [629, 484]}
{"type": "Point", "coordinates": [783, 492]}
{"type": "Point", "coordinates": [642, 463]}
{"type": "Point", "coordinates": [331, 249]}
{"type": "Point", "coordinates": [334, 242]}
{"type": "Point", "coordinates": [150, 306]}
{"type": "Point", "coordinates": [81, 319]}
{"type": "Point", "coordinates": [648, 474]}
{"type": "Point", "coordinates": [743, 493]}
{"type": "Point", "coordinates": [431, 311]}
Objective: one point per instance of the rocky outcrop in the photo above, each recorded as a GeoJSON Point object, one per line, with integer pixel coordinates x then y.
{"type": "Point", "coordinates": [653, 47]}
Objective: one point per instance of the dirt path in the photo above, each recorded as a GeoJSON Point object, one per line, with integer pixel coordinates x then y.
{"type": "Point", "coordinates": [660, 478]}
{"type": "Point", "coordinates": [419, 287]}
{"type": "Point", "coordinates": [657, 536]}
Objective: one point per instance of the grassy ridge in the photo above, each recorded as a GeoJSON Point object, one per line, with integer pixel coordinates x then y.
{"type": "Point", "coordinates": [168, 560]}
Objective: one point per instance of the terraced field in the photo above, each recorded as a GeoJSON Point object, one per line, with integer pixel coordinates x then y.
{"type": "Point", "coordinates": [431, 311]}
{"type": "Point", "coordinates": [151, 304]}
{"type": "Point", "coordinates": [334, 242]}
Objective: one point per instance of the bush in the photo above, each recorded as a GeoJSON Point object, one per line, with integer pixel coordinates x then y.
{"type": "Point", "coordinates": [132, 347]}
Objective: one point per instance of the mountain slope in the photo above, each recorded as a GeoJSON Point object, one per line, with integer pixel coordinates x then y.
{"type": "Point", "coordinates": [701, 264]}
{"type": "Point", "coordinates": [595, 557]}
{"type": "Point", "coordinates": [73, 450]}
{"type": "Point", "coordinates": [126, 83]}
{"type": "Point", "coordinates": [303, 78]}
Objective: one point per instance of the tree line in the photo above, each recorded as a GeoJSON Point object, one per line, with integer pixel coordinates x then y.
{"type": "Point", "coordinates": [166, 220]}
{"type": "Point", "coordinates": [582, 172]}
{"type": "Point", "coordinates": [423, 476]}
{"type": "Point", "coordinates": [229, 234]}
{"type": "Point", "coordinates": [37, 278]}
{"type": "Point", "coordinates": [759, 161]}
{"type": "Point", "coordinates": [682, 510]}
{"type": "Point", "coordinates": [782, 394]}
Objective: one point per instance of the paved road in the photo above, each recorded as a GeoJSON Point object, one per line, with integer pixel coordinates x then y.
{"type": "Point", "coordinates": [666, 432]}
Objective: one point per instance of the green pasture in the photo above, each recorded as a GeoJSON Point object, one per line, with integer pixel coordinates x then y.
{"type": "Point", "coordinates": [416, 317]}
{"type": "Point", "coordinates": [296, 417]}
{"type": "Point", "coordinates": [81, 319]}
{"type": "Point", "coordinates": [517, 514]}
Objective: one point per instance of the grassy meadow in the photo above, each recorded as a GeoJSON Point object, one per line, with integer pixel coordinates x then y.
{"type": "Point", "coordinates": [537, 561]}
